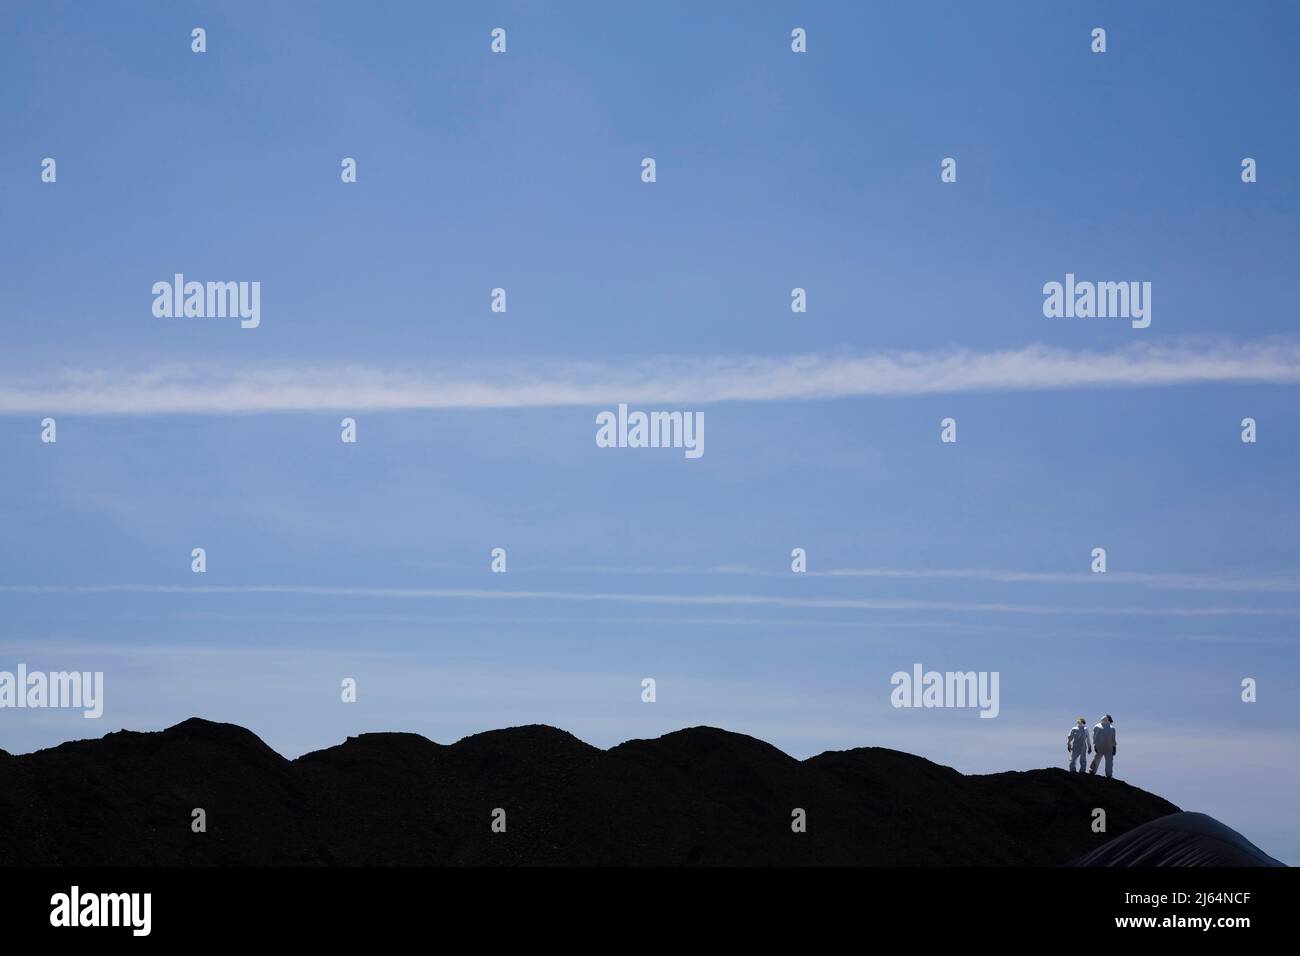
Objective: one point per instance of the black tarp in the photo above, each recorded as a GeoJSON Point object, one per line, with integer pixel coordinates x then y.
{"type": "Point", "coordinates": [1180, 839]}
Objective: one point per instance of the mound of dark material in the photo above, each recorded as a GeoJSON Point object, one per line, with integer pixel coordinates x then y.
{"type": "Point", "coordinates": [1180, 839]}
{"type": "Point", "coordinates": [697, 796]}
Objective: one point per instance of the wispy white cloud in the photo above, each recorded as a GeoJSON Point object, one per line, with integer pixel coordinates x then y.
{"type": "Point", "coordinates": [198, 389]}
{"type": "Point", "coordinates": [746, 621]}
{"type": "Point", "coordinates": [1163, 580]}
{"type": "Point", "coordinates": [1157, 580]}
{"type": "Point", "coordinates": [684, 600]}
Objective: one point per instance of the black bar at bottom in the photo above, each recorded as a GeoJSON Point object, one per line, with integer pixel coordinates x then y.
{"type": "Point", "coordinates": [213, 905]}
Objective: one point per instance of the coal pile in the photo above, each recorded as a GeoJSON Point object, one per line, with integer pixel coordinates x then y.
{"type": "Point", "coordinates": [699, 796]}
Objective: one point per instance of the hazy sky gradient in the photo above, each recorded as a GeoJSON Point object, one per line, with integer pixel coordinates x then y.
{"type": "Point", "coordinates": [476, 430]}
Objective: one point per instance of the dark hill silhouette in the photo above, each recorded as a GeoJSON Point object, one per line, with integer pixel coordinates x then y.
{"type": "Point", "coordinates": [697, 796]}
{"type": "Point", "coordinates": [1180, 839]}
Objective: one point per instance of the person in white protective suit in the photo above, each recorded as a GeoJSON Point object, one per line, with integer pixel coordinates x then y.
{"type": "Point", "coordinates": [1103, 744]}
{"type": "Point", "coordinates": [1078, 746]}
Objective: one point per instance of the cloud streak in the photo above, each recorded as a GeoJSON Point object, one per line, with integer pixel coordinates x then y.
{"type": "Point", "coordinates": [212, 390]}
{"type": "Point", "coordinates": [682, 600]}
{"type": "Point", "coordinates": [1152, 580]}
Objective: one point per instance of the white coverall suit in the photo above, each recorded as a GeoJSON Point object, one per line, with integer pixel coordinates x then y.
{"type": "Point", "coordinates": [1103, 745]}
{"type": "Point", "coordinates": [1077, 741]}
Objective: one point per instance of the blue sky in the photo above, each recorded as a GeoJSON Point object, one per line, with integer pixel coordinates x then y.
{"type": "Point", "coordinates": [476, 430]}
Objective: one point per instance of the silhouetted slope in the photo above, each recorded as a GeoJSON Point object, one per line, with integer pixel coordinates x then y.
{"type": "Point", "coordinates": [126, 799]}
{"type": "Point", "coordinates": [402, 799]}
{"type": "Point", "coordinates": [697, 796]}
{"type": "Point", "coordinates": [1180, 839]}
